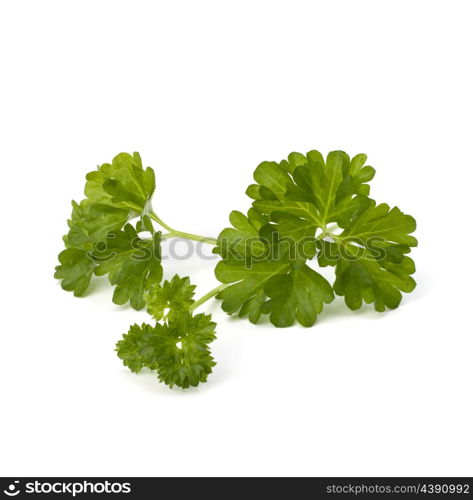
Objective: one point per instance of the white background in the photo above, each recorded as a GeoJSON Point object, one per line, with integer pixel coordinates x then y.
{"type": "Point", "coordinates": [205, 91]}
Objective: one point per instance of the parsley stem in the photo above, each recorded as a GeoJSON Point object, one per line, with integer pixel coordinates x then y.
{"type": "Point", "coordinates": [182, 234]}
{"type": "Point", "coordinates": [160, 222]}
{"type": "Point", "coordinates": [208, 296]}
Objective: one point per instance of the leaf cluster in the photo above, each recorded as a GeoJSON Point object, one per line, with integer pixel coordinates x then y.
{"type": "Point", "coordinates": [296, 205]}
{"type": "Point", "coordinates": [177, 348]}
{"type": "Point", "coordinates": [100, 239]}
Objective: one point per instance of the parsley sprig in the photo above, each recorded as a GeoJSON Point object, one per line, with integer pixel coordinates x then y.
{"type": "Point", "coordinates": [307, 210]}
{"type": "Point", "coordinates": [177, 345]}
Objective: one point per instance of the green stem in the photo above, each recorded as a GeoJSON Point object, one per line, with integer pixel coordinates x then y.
{"type": "Point", "coordinates": [194, 237]}
{"type": "Point", "coordinates": [208, 296]}
{"type": "Point", "coordinates": [181, 234]}
{"type": "Point", "coordinates": [160, 222]}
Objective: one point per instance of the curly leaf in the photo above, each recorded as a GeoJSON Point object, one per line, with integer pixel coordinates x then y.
{"type": "Point", "coordinates": [175, 295]}
{"type": "Point", "coordinates": [136, 350]}
{"type": "Point", "coordinates": [179, 350]}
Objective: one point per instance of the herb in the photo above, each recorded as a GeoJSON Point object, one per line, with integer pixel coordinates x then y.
{"type": "Point", "coordinates": [306, 209]}
{"type": "Point", "coordinates": [178, 347]}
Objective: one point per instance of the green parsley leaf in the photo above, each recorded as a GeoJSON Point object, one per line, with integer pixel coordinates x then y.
{"type": "Point", "coordinates": [312, 188]}
{"type": "Point", "coordinates": [264, 269]}
{"type": "Point", "coordinates": [136, 350]}
{"type": "Point", "coordinates": [90, 223]}
{"type": "Point", "coordinates": [295, 200]}
{"type": "Point", "coordinates": [242, 241]}
{"type": "Point", "coordinates": [122, 184]}
{"type": "Point", "coordinates": [385, 225]}
{"type": "Point", "coordinates": [177, 350]}
{"type": "Point", "coordinates": [75, 271]}
{"type": "Point", "coordinates": [300, 295]}
{"type": "Point", "coordinates": [184, 357]}
{"type": "Point", "coordinates": [246, 290]}
{"type": "Point", "coordinates": [175, 295]}
{"type": "Point", "coordinates": [370, 260]}
{"type": "Point", "coordinates": [115, 193]}
{"type": "Point", "coordinates": [132, 264]}
{"type": "Point", "coordinates": [380, 282]}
